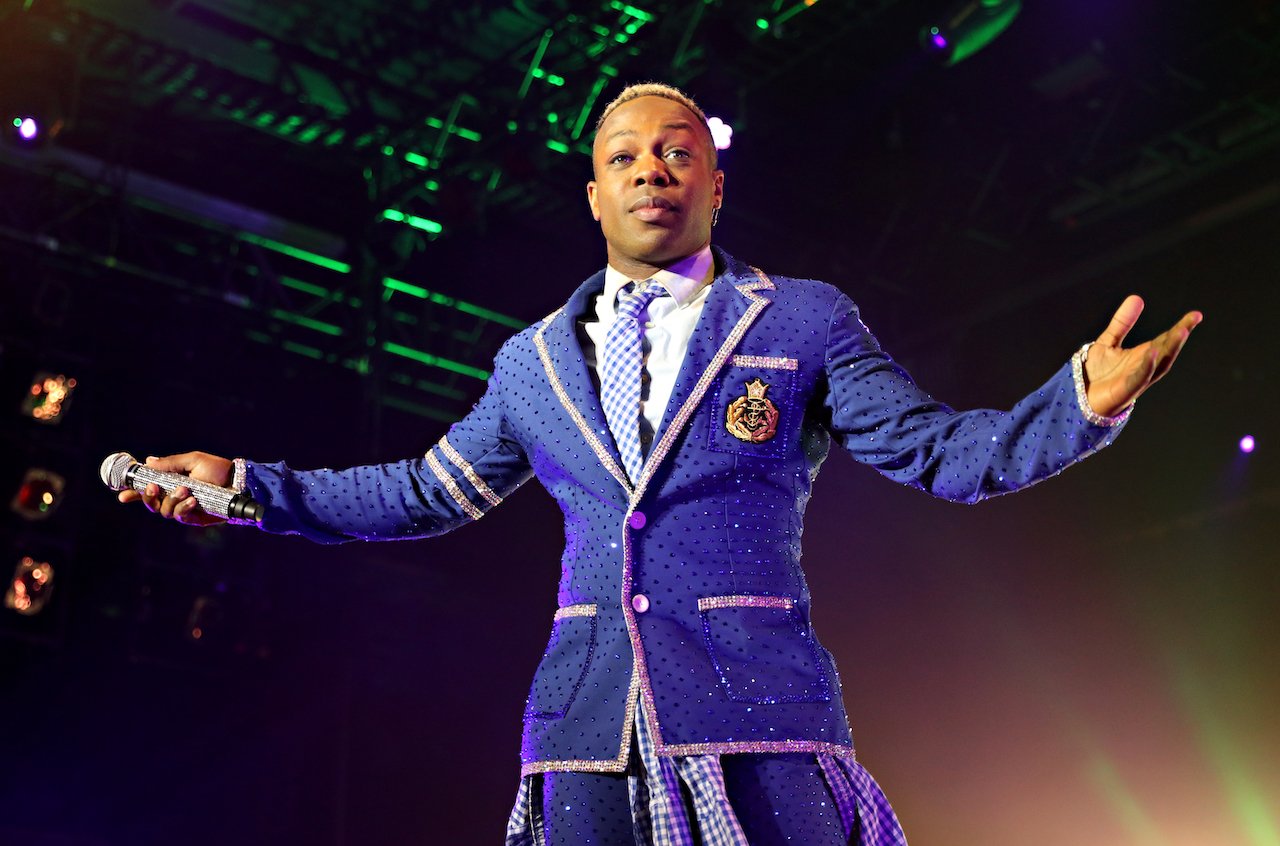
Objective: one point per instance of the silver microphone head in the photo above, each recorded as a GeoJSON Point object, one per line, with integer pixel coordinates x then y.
{"type": "Point", "coordinates": [113, 470]}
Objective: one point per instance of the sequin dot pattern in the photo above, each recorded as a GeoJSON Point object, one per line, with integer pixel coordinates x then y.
{"type": "Point", "coordinates": [700, 610]}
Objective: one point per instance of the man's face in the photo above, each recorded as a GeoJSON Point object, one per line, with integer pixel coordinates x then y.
{"type": "Point", "coordinates": [655, 184]}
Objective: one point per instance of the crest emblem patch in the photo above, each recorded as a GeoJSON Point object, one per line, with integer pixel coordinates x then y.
{"type": "Point", "coordinates": [752, 418]}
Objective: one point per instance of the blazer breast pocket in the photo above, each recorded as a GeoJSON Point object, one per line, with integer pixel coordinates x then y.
{"type": "Point", "coordinates": [565, 663]}
{"type": "Point", "coordinates": [755, 408]}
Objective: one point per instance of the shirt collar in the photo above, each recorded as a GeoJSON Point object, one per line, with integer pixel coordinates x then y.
{"type": "Point", "coordinates": [683, 280]}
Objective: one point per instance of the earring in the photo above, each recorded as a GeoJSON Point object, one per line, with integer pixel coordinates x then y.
{"type": "Point", "coordinates": [715, 215]}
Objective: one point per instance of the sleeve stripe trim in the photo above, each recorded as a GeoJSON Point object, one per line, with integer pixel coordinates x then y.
{"type": "Point", "coordinates": [452, 487]}
{"type": "Point", "coordinates": [467, 470]}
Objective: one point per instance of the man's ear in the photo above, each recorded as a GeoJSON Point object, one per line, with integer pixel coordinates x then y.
{"type": "Point", "coordinates": [593, 200]}
{"type": "Point", "coordinates": [718, 176]}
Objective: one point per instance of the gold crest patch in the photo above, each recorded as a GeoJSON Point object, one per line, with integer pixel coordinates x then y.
{"type": "Point", "coordinates": [752, 418]}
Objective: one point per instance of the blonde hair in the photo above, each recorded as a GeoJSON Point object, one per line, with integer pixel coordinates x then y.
{"type": "Point", "coordinates": [659, 89]}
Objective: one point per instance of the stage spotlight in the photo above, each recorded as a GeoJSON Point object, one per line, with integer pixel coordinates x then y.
{"type": "Point", "coordinates": [30, 588]}
{"type": "Point", "coordinates": [39, 495]}
{"type": "Point", "coordinates": [28, 129]}
{"type": "Point", "coordinates": [967, 28]}
{"type": "Point", "coordinates": [48, 397]}
{"type": "Point", "coordinates": [721, 133]}
{"type": "Point", "coordinates": [1247, 444]}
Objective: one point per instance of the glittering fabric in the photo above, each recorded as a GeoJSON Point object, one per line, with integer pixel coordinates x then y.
{"type": "Point", "coordinates": [764, 361]}
{"type": "Point", "coordinates": [710, 515]}
{"type": "Point", "coordinates": [706, 800]}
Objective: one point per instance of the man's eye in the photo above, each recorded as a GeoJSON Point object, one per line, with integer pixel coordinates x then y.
{"type": "Point", "coordinates": [678, 153]}
{"type": "Point", "coordinates": [621, 157]}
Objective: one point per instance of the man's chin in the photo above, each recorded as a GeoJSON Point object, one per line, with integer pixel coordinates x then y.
{"type": "Point", "coordinates": [657, 252]}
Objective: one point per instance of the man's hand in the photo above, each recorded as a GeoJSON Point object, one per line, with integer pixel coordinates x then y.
{"type": "Point", "coordinates": [1114, 376]}
{"type": "Point", "coordinates": [181, 505]}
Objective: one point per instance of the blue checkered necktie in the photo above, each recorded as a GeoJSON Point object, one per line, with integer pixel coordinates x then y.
{"type": "Point", "coordinates": [622, 364]}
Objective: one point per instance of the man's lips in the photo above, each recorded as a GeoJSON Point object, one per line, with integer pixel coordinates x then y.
{"type": "Point", "coordinates": [652, 207]}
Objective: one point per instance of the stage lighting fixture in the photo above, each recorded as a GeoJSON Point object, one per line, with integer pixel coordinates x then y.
{"type": "Point", "coordinates": [1247, 444]}
{"type": "Point", "coordinates": [30, 588]}
{"type": "Point", "coordinates": [721, 133]}
{"type": "Point", "coordinates": [39, 495]}
{"type": "Point", "coordinates": [48, 397]}
{"type": "Point", "coordinates": [967, 28]}
{"type": "Point", "coordinates": [27, 127]}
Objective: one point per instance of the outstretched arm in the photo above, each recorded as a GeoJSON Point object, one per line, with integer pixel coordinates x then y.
{"type": "Point", "coordinates": [1115, 376]}
{"type": "Point", "coordinates": [453, 483]}
{"type": "Point", "coordinates": [884, 419]}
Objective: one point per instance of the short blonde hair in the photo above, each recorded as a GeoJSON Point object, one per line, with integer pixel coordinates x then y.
{"type": "Point", "coordinates": [659, 89]}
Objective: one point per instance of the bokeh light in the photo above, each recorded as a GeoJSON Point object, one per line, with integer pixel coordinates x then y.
{"type": "Point", "coordinates": [721, 133]}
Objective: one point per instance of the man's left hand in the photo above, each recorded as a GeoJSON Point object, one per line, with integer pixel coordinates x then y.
{"type": "Point", "coordinates": [1115, 376]}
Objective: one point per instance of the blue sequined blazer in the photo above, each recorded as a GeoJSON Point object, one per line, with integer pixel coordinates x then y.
{"type": "Point", "coordinates": [683, 593]}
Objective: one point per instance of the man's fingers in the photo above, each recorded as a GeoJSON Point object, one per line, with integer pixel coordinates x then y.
{"type": "Point", "coordinates": [181, 463]}
{"type": "Point", "coordinates": [1172, 342]}
{"type": "Point", "coordinates": [173, 500]}
{"type": "Point", "coordinates": [189, 511]}
{"type": "Point", "coordinates": [1122, 321]}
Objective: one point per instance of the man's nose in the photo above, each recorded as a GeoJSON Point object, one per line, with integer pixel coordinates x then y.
{"type": "Point", "coordinates": [653, 171]}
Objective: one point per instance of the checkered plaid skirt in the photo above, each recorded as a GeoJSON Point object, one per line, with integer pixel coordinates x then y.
{"type": "Point", "coordinates": [661, 816]}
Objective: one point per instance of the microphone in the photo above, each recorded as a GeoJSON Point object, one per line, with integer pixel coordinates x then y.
{"type": "Point", "coordinates": [120, 470]}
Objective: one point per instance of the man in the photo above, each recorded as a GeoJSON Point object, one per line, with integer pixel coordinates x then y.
{"type": "Point", "coordinates": [678, 408]}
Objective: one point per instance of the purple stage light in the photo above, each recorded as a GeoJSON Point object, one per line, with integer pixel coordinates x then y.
{"type": "Point", "coordinates": [28, 129]}
{"type": "Point", "coordinates": [1247, 443]}
{"type": "Point", "coordinates": [721, 133]}
{"type": "Point", "coordinates": [940, 42]}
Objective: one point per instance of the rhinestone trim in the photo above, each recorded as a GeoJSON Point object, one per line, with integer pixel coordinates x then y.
{"type": "Point", "coordinates": [765, 361]}
{"type": "Point", "coordinates": [587, 609]}
{"type": "Point", "coordinates": [615, 765]}
{"type": "Point", "coordinates": [722, 355]}
{"type": "Point", "coordinates": [467, 470]}
{"type": "Point", "coordinates": [597, 446]}
{"type": "Point", "coordinates": [452, 487]}
{"type": "Point", "coordinates": [1082, 393]}
{"type": "Point", "coordinates": [758, 304]}
{"type": "Point", "coordinates": [732, 747]}
{"type": "Point", "coordinates": [239, 470]}
{"type": "Point", "coordinates": [707, 603]}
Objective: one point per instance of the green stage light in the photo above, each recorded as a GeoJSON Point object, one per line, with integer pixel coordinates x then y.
{"type": "Point", "coordinates": [968, 28]}
{"type": "Point", "coordinates": [295, 252]}
{"type": "Point", "coordinates": [425, 224]}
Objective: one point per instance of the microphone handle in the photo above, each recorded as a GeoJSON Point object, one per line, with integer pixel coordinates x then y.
{"type": "Point", "coordinates": [224, 502]}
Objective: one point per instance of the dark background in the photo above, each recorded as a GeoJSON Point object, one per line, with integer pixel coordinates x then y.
{"type": "Point", "coordinates": [1092, 661]}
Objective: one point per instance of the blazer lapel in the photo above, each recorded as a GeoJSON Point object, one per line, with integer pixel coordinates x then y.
{"type": "Point", "coordinates": [737, 297]}
{"type": "Point", "coordinates": [561, 354]}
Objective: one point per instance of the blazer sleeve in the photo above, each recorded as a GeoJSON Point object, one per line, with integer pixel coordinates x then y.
{"type": "Point", "coordinates": [882, 418]}
{"type": "Point", "coordinates": [467, 472]}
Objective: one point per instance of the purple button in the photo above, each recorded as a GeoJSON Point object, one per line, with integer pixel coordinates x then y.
{"type": "Point", "coordinates": [637, 520]}
{"type": "Point", "coordinates": [640, 602]}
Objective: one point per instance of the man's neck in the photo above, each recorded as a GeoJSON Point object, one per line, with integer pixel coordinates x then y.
{"type": "Point", "coordinates": [638, 270]}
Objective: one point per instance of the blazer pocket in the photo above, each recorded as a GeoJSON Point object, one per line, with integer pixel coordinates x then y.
{"type": "Point", "coordinates": [755, 406]}
{"type": "Point", "coordinates": [564, 665]}
{"type": "Point", "coordinates": [762, 649]}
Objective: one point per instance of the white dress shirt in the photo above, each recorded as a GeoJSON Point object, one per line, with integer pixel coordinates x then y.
{"type": "Point", "coordinates": [668, 325]}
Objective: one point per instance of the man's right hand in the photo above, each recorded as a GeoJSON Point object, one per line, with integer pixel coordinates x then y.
{"type": "Point", "coordinates": [181, 505]}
